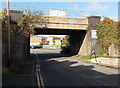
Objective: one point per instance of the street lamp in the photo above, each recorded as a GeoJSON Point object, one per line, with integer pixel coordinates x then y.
{"type": "Point", "coordinates": [8, 34]}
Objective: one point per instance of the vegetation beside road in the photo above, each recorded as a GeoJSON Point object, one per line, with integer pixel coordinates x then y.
{"type": "Point", "coordinates": [65, 48]}
{"type": "Point", "coordinates": [20, 30]}
{"type": "Point", "coordinates": [108, 32]}
{"type": "Point", "coordinates": [88, 57]}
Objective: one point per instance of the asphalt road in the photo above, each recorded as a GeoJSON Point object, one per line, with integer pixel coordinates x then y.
{"type": "Point", "coordinates": [60, 70]}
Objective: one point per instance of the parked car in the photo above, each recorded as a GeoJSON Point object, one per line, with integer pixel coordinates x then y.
{"type": "Point", "coordinates": [35, 47]}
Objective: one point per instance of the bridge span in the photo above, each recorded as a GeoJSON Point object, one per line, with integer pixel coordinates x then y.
{"type": "Point", "coordinates": [78, 29]}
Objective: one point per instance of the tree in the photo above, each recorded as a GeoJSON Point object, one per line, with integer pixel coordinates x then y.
{"type": "Point", "coordinates": [22, 27]}
{"type": "Point", "coordinates": [65, 46]}
{"type": "Point", "coordinates": [66, 41]}
{"type": "Point", "coordinates": [108, 33]}
{"type": "Point", "coordinates": [30, 18]}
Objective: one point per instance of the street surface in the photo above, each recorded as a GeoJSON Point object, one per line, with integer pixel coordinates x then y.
{"type": "Point", "coordinates": [60, 70]}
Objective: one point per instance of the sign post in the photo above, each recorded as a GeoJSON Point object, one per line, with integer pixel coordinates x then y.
{"type": "Point", "coordinates": [93, 36]}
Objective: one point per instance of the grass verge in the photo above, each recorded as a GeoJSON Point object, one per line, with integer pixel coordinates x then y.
{"type": "Point", "coordinates": [88, 57]}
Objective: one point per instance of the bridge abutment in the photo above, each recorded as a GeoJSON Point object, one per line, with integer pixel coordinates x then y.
{"type": "Point", "coordinates": [81, 42]}
{"type": "Point", "coordinates": [89, 43]}
{"type": "Point", "coordinates": [76, 41]}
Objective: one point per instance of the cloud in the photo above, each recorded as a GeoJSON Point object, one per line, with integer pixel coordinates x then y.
{"type": "Point", "coordinates": [94, 6]}
{"type": "Point", "coordinates": [74, 6]}
{"type": "Point", "coordinates": [115, 18]}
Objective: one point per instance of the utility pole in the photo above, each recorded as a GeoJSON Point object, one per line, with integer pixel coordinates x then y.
{"type": "Point", "coordinates": [8, 34]}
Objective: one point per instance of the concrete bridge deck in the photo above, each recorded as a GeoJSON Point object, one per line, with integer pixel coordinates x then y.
{"type": "Point", "coordinates": [65, 23]}
{"type": "Point", "coordinates": [78, 29]}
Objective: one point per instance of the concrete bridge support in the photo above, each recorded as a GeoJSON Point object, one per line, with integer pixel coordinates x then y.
{"type": "Point", "coordinates": [81, 43]}
{"type": "Point", "coordinates": [76, 41]}
{"type": "Point", "coordinates": [85, 47]}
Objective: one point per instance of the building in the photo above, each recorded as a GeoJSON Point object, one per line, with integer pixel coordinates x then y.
{"type": "Point", "coordinates": [45, 40]}
{"type": "Point", "coordinates": [54, 40]}
{"type": "Point", "coordinates": [36, 40]}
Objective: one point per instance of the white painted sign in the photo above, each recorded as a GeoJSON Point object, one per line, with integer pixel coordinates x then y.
{"type": "Point", "coordinates": [94, 35]}
{"type": "Point", "coordinates": [58, 42]}
{"type": "Point", "coordinates": [60, 13]}
{"type": "Point", "coordinates": [44, 26]}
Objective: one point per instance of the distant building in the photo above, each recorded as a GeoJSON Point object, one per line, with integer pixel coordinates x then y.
{"type": "Point", "coordinates": [49, 40]}
{"type": "Point", "coordinates": [54, 40]}
{"type": "Point", "coordinates": [35, 40]}
{"type": "Point", "coordinates": [58, 13]}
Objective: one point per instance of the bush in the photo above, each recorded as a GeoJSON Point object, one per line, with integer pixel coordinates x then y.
{"type": "Point", "coordinates": [65, 49]}
{"type": "Point", "coordinates": [41, 45]}
{"type": "Point", "coordinates": [102, 52]}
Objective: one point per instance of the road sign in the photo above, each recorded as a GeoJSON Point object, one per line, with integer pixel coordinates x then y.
{"type": "Point", "coordinates": [44, 26]}
{"type": "Point", "coordinates": [93, 33]}
{"type": "Point", "coordinates": [58, 42]}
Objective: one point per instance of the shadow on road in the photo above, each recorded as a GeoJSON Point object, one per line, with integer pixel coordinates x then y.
{"type": "Point", "coordinates": [58, 70]}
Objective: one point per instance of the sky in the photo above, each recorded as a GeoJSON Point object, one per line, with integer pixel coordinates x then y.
{"type": "Point", "coordinates": [107, 9]}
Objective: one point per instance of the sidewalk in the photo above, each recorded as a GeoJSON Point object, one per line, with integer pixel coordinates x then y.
{"type": "Point", "coordinates": [106, 61]}
{"type": "Point", "coordinates": [25, 77]}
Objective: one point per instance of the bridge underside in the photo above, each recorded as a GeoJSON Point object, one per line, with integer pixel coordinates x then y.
{"type": "Point", "coordinates": [57, 31]}
{"type": "Point", "coordinates": [76, 37]}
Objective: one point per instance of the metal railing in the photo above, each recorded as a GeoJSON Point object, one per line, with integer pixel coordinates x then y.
{"type": "Point", "coordinates": [46, 11]}
{"type": "Point", "coordinates": [69, 13]}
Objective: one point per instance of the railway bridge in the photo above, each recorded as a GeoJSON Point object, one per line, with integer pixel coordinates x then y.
{"type": "Point", "coordinates": [79, 30]}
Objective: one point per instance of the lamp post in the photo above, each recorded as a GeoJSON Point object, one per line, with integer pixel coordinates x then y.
{"type": "Point", "coordinates": [8, 33]}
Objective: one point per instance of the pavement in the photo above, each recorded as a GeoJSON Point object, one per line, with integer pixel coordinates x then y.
{"type": "Point", "coordinates": [106, 61]}
{"type": "Point", "coordinates": [25, 77]}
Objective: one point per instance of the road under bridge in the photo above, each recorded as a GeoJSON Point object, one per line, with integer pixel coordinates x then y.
{"type": "Point", "coordinates": [78, 29]}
